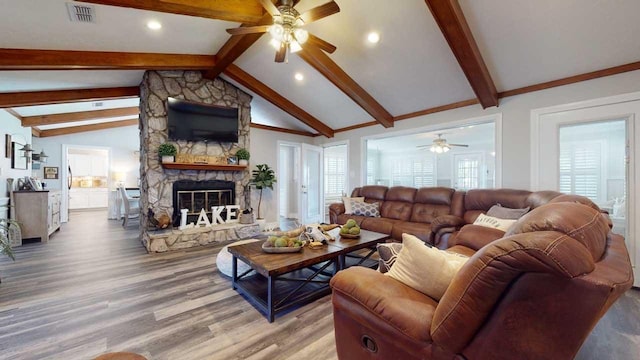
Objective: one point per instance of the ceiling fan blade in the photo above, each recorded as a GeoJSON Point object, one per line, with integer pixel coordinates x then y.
{"type": "Point", "coordinates": [243, 30]}
{"type": "Point", "coordinates": [281, 54]}
{"type": "Point", "coordinates": [271, 9]}
{"type": "Point", "coordinates": [461, 145]}
{"type": "Point", "coordinates": [320, 12]}
{"type": "Point", "coordinates": [423, 146]}
{"type": "Point", "coordinates": [319, 43]}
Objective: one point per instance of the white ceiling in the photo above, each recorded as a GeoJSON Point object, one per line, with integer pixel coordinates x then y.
{"type": "Point", "coordinates": [412, 68]}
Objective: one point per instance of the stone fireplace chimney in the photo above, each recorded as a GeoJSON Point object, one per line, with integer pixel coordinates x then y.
{"type": "Point", "coordinates": [156, 182]}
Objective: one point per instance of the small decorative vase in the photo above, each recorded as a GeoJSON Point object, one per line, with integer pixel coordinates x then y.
{"type": "Point", "coordinates": [246, 218]}
{"type": "Point", "coordinates": [243, 162]}
{"type": "Point", "coordinates": [167, 159]}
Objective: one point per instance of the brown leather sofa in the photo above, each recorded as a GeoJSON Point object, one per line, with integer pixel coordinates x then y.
{"type": "Point", "coordinates": [432, 214]}
{"type": "Point", "coordinates": [535, 293]}
{"type": "Point", "coordinates": [402, 209]}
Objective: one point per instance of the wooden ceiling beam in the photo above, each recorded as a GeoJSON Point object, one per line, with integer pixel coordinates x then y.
{"type": "Point", "coordinates": [78, 116]}
{"type": "Point", "coordinates": [31, 98]}
{"type": "Point", "coordinates": [242, 11]}
{"type": "Point", "coordinates": [27, 59]}
{"type": "Point", "coordinates": [85, 128]}
{"type": "Point", "coordinates": [35, 132]}
{"type": "Point", "coordinates": [234, 47]}
{"type": "Point", "coordinates": [253, 84]}
{"type": "Point", "coordinates": [321, 62]}
{"type": "Point", "coordinates": [13, 113]}
{"type": "Point", "coordinates": [455, 29]}
{"type": "Point", "coordinates": [282, 130]}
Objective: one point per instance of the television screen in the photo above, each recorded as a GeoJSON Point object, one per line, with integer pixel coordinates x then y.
{"type": "Point", "coordinates": [201, 122]}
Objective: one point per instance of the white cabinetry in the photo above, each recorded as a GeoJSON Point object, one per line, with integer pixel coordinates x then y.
{"type": "Point", "coordinates": [87, 198]}
{"type": "Point", "coordinates": [88, 165]}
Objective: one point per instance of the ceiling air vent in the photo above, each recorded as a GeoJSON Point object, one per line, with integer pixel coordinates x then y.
{"type": "Point", "coordinates": [81, 13]}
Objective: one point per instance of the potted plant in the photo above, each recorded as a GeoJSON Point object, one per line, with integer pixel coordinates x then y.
{"type": "Point", "coordinates": [167, 152]}
{"type": "Point", "coordinates": [243, 156]}
{"type": "Point", "coordinates": [263, 178]}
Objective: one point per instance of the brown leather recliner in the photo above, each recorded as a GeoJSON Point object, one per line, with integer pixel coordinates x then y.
{"type": "Point", "coordinates": [534, 294]}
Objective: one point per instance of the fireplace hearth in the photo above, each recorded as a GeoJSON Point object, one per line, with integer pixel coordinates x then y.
{"type": "Point", "coordinates": [197, 195]}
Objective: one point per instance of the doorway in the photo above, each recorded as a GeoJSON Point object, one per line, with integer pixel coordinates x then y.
{"type": "Point", "coordinates": [590, 149]}
{"type": "Point", "coordinates": [86, 179]}
{"type": "Point", "coordinates": [288, 181]}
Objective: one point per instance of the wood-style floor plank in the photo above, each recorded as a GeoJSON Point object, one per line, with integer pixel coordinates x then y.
{"type": "Point", "coordinates": [93, 289]}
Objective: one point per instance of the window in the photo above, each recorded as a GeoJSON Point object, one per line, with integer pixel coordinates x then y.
{"type": "Point", "coordinates": [580, 168]}
{"type": "Point", "coordinates": [414, 172]}
{"type": "Point", "coordinates": [335, 174]}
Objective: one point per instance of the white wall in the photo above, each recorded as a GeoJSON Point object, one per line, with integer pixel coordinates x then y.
{"type": "Point", "coordinates": [264, 150]}
{"type": "Point", "coordinates": [12, 126]}
{"type": "Point", "coordinates": [515, 123]}
{"type": "Point", "coordinates": [123, 141]}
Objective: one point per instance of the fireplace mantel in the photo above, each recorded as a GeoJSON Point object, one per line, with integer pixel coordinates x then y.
{"type": "Point", "coordinates": [210, 167]}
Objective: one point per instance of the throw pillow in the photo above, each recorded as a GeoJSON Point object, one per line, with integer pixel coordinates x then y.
{"type": "Point", "coordinates": [426, 269]}
{"type": "Point", "coordinates": [347, 201]}
{"type": "Point", "coordinates": [366, 209]}
{"type": "Point", "coordinates": [494, 222]}
{"type": "Point", "coordinates": [388, 253]}
{"type": "Point", "coordinates": [502, 212]}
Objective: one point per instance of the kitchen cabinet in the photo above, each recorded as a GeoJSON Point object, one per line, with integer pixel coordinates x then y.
{"type": "Point", "coordinates": [38, 213]}
{"type": "Point", "coordinates": [88, 165]}
{"type": "Point", "coordinates": [88, 198]}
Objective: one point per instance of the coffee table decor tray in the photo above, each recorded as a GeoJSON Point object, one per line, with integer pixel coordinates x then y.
{"type": "Point", "coordinates": [266, 247]}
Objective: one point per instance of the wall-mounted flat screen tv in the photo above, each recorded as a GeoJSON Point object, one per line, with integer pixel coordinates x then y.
{"type": "Point", "coordinates": [200, 122]}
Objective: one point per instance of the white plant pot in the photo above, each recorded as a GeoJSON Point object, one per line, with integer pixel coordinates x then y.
{"type": "Point", "coordinates": [243, 162]}
{"type": "Point", "coordinates": [167, 159]}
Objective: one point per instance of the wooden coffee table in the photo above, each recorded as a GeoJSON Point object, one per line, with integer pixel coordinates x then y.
{"type": "Point", "coordinates": [286, 280]}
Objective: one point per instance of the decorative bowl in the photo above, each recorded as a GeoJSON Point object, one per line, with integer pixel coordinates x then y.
{"type": "Point", "coordinates": [349, 236]}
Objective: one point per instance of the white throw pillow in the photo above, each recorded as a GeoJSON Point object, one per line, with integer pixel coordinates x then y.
{"type": "Point", "coordinates": [494, 222]}
{"type": "Point", "coordinates": [347, 203]}
{"type": "Point", "coordinates": [426, 269]}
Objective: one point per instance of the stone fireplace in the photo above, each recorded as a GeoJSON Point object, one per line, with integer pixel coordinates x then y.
{"type": "Point", "coordinates": [158, 185]}
{"type": "Point", "coordinates": [197, 195]}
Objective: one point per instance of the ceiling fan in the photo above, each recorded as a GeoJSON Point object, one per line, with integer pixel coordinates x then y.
{"type": "Point", "coordinates": [287, 34]}
{"type": "Point", "coordinates": [440, 145]}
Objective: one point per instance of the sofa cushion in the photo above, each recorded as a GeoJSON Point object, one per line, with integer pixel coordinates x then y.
{"type": "Point", "coordinates": [373, 193]}
{"type": "Point", "coordinates": [398, 210]}
{"type": "Point", "coordinates": [434, 196]}
{"type": "Point", "coordinates": [494, 222]}
{"type": "Point", "coordinates": [426, 269]}
{"type": "Point", "coordinates": [501, 212]}
{"type": "Point", "coordinates": [483, 199]}
{"type": "Point", "coordinates": [475, 236]}
{"type": "Point", "coordinates": [425, 213]}
{"type": "Point", "coordinates": [381, 225]}
{"type": "Point", "coordinates": [420, 230]}
{"type": "Point", "coordinates": [347, 201]}
{"type": "Point", "coordinates": [388, 252]}
{"type": "Point", "coordinates": [365, 209]}
{"type": "Point", "coordinates": [401, 193]}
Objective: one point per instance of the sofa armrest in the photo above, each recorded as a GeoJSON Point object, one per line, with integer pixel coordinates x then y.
{"type": "Point", "coordinates": [335, 210]}
{"type": "Point", "coordinates": [446, 221]}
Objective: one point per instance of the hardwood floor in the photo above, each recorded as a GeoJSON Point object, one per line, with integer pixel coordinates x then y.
{"type": "Point", "coordinates": [93, 289]}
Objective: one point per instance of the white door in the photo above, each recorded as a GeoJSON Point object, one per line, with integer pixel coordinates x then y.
{"type": "Point", "coordinates": [590, 151]}
{"type": "Point", "coordinates": [468, 171]}
{"type": "Point", "coordinates": [311, 206]}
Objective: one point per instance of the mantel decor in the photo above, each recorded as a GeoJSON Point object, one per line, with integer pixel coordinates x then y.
{"type": "Point", "coordinates": [205, 167]}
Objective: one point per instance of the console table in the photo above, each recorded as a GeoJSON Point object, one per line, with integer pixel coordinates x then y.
{"type": "Point", "coordinates": [37, 212]}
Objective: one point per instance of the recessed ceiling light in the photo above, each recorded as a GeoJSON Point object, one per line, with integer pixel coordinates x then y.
{"type": "Point", "coordinates": [154, 25]}
{"type": "Point", "coordinates": [373, 37]}
{"type": "Point", "coordinates": [299, 76]}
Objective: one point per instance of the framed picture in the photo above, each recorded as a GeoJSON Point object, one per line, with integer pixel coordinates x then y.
{"type": "Point", "coordinates": [50, 172]}
{"type": "Point", "coordinates": [18, 160]}
{"type": "Point", "coordinates": [232, 160]}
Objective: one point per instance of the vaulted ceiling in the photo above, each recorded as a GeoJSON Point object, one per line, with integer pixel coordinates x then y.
{"type": "Point", "coordinates": [433, 55]}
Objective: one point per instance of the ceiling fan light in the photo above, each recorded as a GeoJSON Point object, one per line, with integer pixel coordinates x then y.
{"type": "Point", "coordinates": [276, 31]}
{"type": "Point", "coordinates": [432, 149]}
{"type": "Point", "coordinates": [445, 148]}
{"type": "Point", "coordinates": [301, 35]}
{"type": "Point", "coordinates": [294, 46]}
{"type": "Point", "coordinates": [275, 43]}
